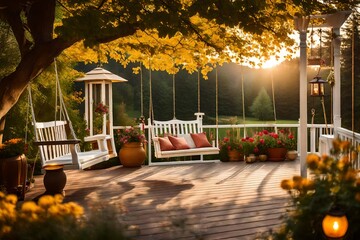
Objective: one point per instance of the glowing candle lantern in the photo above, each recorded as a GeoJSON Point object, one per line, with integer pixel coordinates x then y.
{"type": "Point", "coordinates": [335, 224]}
{"type": "Point", "coordinates": [317, 88]}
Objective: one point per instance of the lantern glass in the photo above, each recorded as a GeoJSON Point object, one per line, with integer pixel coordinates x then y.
{"type": "Point", "coordinates": [335, 225]}
{"type": "Point", "coordinates": [317, 88]}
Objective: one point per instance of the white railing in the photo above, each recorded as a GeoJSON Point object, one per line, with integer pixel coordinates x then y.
{"type": "Point", "coordinates": [354, 138]}
{"type": "Point", "coordinates": [219, 131]}
{"type": "Point", "coordinates": [315, 131]}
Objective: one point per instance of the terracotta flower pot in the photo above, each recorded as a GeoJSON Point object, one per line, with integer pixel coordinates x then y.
{"type": "Point", "coordinates": [234, 155]}
{"type": "Point", "coordinates": [132, 154]}
{"type": "Point", "coordinates": [276, 154]}
{"type": "Point", "coordinates": [13, 174]}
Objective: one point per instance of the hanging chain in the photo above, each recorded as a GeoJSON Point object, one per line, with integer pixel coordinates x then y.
{"type": "Point", "coordinates": [151, 110]}
{"type": "Point", "coordinates": [199, 89]}
{"type": "Point", "coordinates": [174, 96]}
{"type": "Point", "coordinates": [141, 92]}
{"type": "Point", "coordinates": [217, 106]}
{"type": "Point", "coordinates": [243, 98]}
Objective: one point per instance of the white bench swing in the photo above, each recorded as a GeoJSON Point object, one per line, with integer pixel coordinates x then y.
{"type": "Point", "coordinates": [178, 128]}
{"type": "Point", "coordinates": [57, 142]}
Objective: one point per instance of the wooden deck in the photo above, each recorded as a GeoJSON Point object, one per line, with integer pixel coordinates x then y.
{"type": "Point", "coordinates": [231, 200]}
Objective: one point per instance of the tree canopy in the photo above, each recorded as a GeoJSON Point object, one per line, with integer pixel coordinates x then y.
{"type": "Point", "coordinates": [163, 34]}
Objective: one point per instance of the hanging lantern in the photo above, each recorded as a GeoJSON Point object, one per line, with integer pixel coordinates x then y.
{"type": "Point", "coordinates": [335, 224]}
{"type": "Point", "coordinates": [317, 88]}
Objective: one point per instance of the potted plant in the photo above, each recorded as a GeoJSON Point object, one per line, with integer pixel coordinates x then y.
{"type": "Point", "coordinates": [132, 152]}
{"type": "Point", "coordinates": [276, 143]}
{"type": "Point", "coordinates": [291, 144]}
{"type": "Point", "coordinates": [232, 146]}
{"type": "Point", "coordinates": [262, 144]}
{"type": "Point", "coordinates": [13, 166]}
{"type": "Point", "coordinates": [250, 149]}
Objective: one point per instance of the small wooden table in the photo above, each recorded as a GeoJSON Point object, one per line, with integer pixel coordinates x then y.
{"type": "Point", "coordinates": [54, 179]}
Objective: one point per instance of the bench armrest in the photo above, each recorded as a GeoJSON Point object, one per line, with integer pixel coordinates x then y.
{"type": "Point", "coordinates": [95, 138]}
{"type": "Point", "coordinates": [57, 142]}
{"type": "Point", "coordinates": [100, 139]}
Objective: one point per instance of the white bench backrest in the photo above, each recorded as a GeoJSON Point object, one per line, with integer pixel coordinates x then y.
{"type": "Point", "coordinates": [52, 131]}
{"type": "Point", "coordinates": [175, 127]}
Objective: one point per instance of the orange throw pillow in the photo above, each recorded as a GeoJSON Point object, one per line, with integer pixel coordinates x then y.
{"type": "Point", "coordinates": [165, 144]}
{"type": "Point", "coordinates": [179, 142]}
{"type": "Point", "coordinates": [200, 140]}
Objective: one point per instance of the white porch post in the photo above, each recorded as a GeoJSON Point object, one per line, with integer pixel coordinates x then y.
{"type": "Point", "coordinates": [303, 105]}
{"type": "Point", "coordinates": [337, 87]}
{"type": "Point", "coordinates": [301, 25]}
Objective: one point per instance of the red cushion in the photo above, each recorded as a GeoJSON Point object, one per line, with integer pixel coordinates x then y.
{"type": "Point", "coordinates": [200, 140]}
{"type": "Point", "coordinates": [179, 142]}
{"type": "Point", "coordinates": [165, 144]}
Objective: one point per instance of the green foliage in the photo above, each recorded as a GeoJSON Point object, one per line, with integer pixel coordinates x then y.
{"type": "Point", "coordinates": [334, 182]}
{"type": "Point", "coordinates": [262, 107]}
{"type": "Point", "coordinates": [121, 116]}
{"type": "Point", "coordinates": [10, 55]}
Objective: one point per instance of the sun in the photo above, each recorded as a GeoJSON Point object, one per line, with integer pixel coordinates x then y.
{"type": "Point", "coordinates": [272, 62]}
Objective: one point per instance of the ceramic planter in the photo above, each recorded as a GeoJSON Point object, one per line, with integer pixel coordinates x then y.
{"type": "Point", "coordinates": [132, 154]}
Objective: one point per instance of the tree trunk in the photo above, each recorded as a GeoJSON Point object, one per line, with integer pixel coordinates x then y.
{"type": "Point", "coordinates": [2, 127]}
{"type": "Point", "coordinates": [31, 65]}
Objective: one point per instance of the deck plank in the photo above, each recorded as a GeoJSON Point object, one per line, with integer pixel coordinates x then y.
{"type": "Point", "coordinates": [231, 200]}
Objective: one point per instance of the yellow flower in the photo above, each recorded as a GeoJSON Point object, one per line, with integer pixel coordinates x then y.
{"type": "Point", "coordinates": [59, 198]}
{"type": "Point", "coordinates": [354, 155]}
{"type": "Point", "coordinates": [344, 145]}
{"type": "Point", "coordinates": [46, 201]}
{"type": "Point", "coordinates": [336, 144]}
{"type": "Point", "coordinates": [313, 161]}
{"type": "Point", "coordinates": [75, 209]}
{"type": "Point", "coordinates": [350, 175]}
{"type": "Point", "coordinates": [286, 184]}
{"type": "Point", "coordinates": [308, 184]}
{"type": "Point", "coordinates": [29, 207]}
{"type": "Point", "coordinates": [11, 198]}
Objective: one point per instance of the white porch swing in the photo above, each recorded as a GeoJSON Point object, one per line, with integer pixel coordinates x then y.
{"type": "Point", "coordinates": [57, 140]}
{"type": "Point", "coordinates": [180, 128]}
